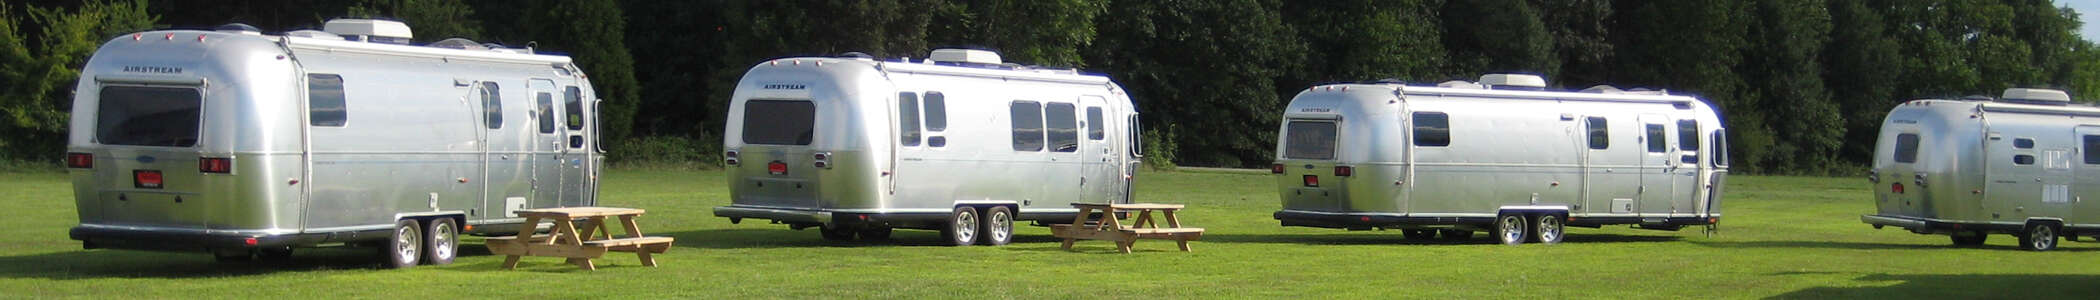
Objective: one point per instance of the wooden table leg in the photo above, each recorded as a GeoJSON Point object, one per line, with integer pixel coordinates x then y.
{"type": "Point", "coordinates": [1173, 222]}
{"type": "Point", "coordinates": [1078, 223]}
{"type": "Point", "coordinates": [1184, 244]}
{"type": "Point", "coordinates": [634, 231]}
{"type": "Point", "coordinates": [524, 237]}
{"type": "Point", "coordinates": [1144, 218]}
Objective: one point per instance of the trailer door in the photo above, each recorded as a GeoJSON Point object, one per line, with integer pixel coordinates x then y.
{"type": "Point", "coordinates": [573, 157]}
{"type": "Point", "coordinates": [2014, 173]}
{"type": "Point", "coordinates": [546, 145]}
{"type": "Point", "coordinates": [2086, 178]}
{"type": "Point", "coordinates": [1099, 176]}
{"type": "Point", "coordinates": [1063, 169]}
{"type": "Point", "coordinates": [1656, 167]}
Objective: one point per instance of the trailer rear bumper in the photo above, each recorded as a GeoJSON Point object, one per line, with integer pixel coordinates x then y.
{"type": "Point", "coordinates": [782, 215]}
{"type": "Point", "coordinates": [1368, 220]}
{"type": "Point", "coordinates": [93, 236]}
{"type": "Point", "coordinates": [1930, 225]}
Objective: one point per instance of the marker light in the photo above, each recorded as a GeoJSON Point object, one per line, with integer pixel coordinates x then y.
{"type": "Point", "coordinates": [777, 168]}
{"type": "Point", "coordinates": [215, 165]}
{"type": "Point", "coordinates": [1312, 180]}
{"type": "Point", "coordinates": [1276, 169]}
{"type": "Point", "coordinates": [1896, 188]}
{"type": "Point", "coordinates": [78, 160]}
{"type": "Point", "coordinates": [1343, 171]}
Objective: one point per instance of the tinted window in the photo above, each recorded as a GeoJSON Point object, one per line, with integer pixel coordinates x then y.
{"type": "Point", "coordinates": [148, 116]}
{"type": "Point", "coordinates": [1687, 135]}
{"type": "Point", "coordinates": [1137, 143]}
{"type": "Point", "coordinates": [573, 102]}
{"type": "Point", "coordinates": [2023, 159]}
{"type": "Point", "coordinates": [2023, 143]}
{"type": "Point", "coordinates": [1028, 126]}
{"type": "Point", "coordinates": [1064, 126]}
{"type": "Point", "coordinates": [1432, 129]}
{"type": "Point", "coordinates": [1095, 130]}
{"type": "Point", "coordinates": [1600, 135]}
{"type": "Point", "coordinates": [546, 113]}
{"type": "Point", "coordinates": [1907, 148]}
{"type": "Point", "coordinates": [2092, 149]}
{"type": "Point", "coordinates": [324, 100]}
{"type": "Point", "coordinates": [1309, 140]}
{"type": "Point", "coordinates": [1720, 148]}
{"type": "Point", "coordinates": [492, 104]}
{"type": "Point", "coordinates": [908, 119]}
{"type": "Point", "coordinates": [779, 122]}
{"type": "Point", "coordinates": [1656, 135]}
{"type": "Point", "coordinates": [936, 111]}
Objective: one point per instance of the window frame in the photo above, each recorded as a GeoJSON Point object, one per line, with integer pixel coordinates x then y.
{"type": "Point", "coordinates": [1052, 133]}
{"type": "Point", "coordinates": [1597, 130]}
{"type": "Point", "coordinates": [935, 113]}
{"type": "Point", "coordinates": [197, 130]}
{"type": "Point", "coordinates": [1039, 131]}
{"type": "Point", "coordinates": [1417, 126]}
{"type": "Point", "coordinates": [1657, 136]}
{"type": "Point", "coordinates": [546, 112]}
{"type": "Point", "coordinates": [492, 104]}
{"type": "Point", "coordinates": [1902, 155]}
{"type": "Point", "coordinates": [908, 119]}
{"type": "Point", "coordinates": [572, 100]}
{"type": "Point", "coordinates": [341, 101]}
{"type": "Point", "coordinates": [1334, 143]}
{"type": "Point", "coordinates": [745, 136]}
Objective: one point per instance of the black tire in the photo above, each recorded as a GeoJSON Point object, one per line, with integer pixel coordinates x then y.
{"type": "Point", "coordinates": [2039, 237]}
{"type": "Point", "coordinates": [1510, 229]}
{"type": "Point", "coordinates": [403, 247]}
{"type": "Point", "coordinates": [1455, 234]}
{"type": "Point", "coordinates": [998, 228]}
{"type": "Point", "coordinates": [961, 228]}
{"type": "Point", "coordinates": [1548, 229]}
{"type": "Point", "coordinates": [836, 233]}
{"type": "Point", "coordinates": [1973, 238]}
{"type": "Point", "coordinates": [274, 254]}
{"type": "Point", "coordinates": [440, 242]}
{"type": "Point", "coordinates": [232, 255]}
{"type": "Point", "coordinates": [1418, 234]}
{"type": "Point", "coordinates": [875, 233]}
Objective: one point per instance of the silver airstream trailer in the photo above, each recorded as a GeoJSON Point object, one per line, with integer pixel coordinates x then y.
{"type": "Point", "coordinates": [2021, 164]}
{"type": "Point", "coordinates": [959, 142]}
{"type": "Point", "coordinates": [1501, 155]}
{"type": "Point", "coordinates": [247, 144]}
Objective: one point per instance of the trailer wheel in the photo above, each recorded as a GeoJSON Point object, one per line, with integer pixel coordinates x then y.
{"type": "Point", "coordinates": [1418, 234]}
{"type": "Point", "coordinates": [836, 232]}
{"type": "Point", "coordinates": [1548, 229]}
{"type": "Point", "coordinates": [2039, 237]}
{"type": "Point", "coordinates": [441, 242]}
{"type": "Point", "coordinates": [961, 229]}
{"type": "Point", "coordinates": [404, 247]}
{"type": "Point", "coordinates": [875, 233]}
{"type": "Point", "coordinates": [1456, 234]}
{"type": "Point", "coordinates": [1509, 229]}
{"type": "Point", "coordinates": [998, 226]}
{"type": "Point", "coordinates": [1974, 238]}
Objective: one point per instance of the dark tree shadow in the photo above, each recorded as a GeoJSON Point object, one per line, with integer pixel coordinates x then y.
{"type": "Point", "coordinates": [1976, 286]}
{"type": "Point", "coordinates": [1866, 246]}
{"type": "Point", "coordinates": [93, 264]}
{"type": "Point", "coordinates": [1397, 239]}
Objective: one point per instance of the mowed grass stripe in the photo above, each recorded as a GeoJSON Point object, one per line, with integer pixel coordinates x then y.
{"type": "Point", "coordinates": [1786, 237]}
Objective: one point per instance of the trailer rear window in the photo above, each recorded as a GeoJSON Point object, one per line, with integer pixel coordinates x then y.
{"type": "Point", "coordinates": [779, 122]}
{"type": "Point", "coordinates": [1432, 129]}
{"type": "Point", "coordinates": [148, 116]}
{"type": "Point", "coordinates": [325, 101]}
{"type": "Point", "coordinates": [1309, 140]}
{"type": "Point", "coordinates": [1907, 148]}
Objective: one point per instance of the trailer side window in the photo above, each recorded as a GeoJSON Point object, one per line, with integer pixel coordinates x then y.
{"type": "Point", "coordinates": [1027, 119]}
{"type": "Point", "coordinates": [1309, 140]}
{"type": "Point", "coordinates": [324, 100]}
{"type": "Point", "coordinates": [1720, 148]}
{"type": "Point", "coordinates": [1688, 135]}
{"type": "Point", "coordinates": [148, 116]}
{"type": "Point", "coordinates": [1432, 129]}
{"type": "Point", "coordinates": [492, 104]}
{"type": "Point", "coordinates": [2023, 143]}
{"type": "Point", "coordinates": [572, 99]}
{"type": "Point", "coordinates": [1907, 148]}
{"type": "Point", "coordinates": [1600, 136]}
{"type": "Point", "coordinates": [1137, 142]}
{"type": "Point", "coordinates": [546, 112]}
{"type": "Point", "coordinates": [778, 122]}
{"type": "Point", "coordinates": [936, 112]}
{"type": "Point", "coordinates": [1064, 126]}
{"type": "Point", "coordinates": [2023, 159]}
{"type": "Point", "coordinates": [2092, 149]}
{"type": "Point", "coordinates": [1095, 129]}
{"type": "Point", "coordinates": [1656, 144]}
{"type": "Point", "coordinates": [908, 118]}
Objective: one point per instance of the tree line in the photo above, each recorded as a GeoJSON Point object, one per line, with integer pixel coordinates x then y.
{"type": "Point", "coordinates": [1802, 84]}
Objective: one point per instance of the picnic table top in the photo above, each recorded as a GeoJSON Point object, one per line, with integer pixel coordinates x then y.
{"type": "Point", "coordinates": [1158, 206]}
{"type": "Point", "coordinates": [578, 212]}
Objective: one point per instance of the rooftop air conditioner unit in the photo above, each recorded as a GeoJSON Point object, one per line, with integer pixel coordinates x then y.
{"type": "Point", "coordinates": [371, 31]}
{"type": "Point", "coordinates": [1513, 82]}
{"type": "Point", "coordinates": [969, 56]}
{"type": "Point", "coordinates": [2036, 96]}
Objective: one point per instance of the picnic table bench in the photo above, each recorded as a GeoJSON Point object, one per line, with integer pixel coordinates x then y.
{"type": "Point", "coordinates": [579, 247]}
{"type": "Point", "coordinates": [1108, 228]}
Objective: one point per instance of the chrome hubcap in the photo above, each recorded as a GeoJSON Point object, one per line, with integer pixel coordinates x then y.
{"type": "Point", "coordinates": [443, 240]}
{"type": "Point", "coordinates": [406, 242]}
{"type": "Point", "coordinates": [1549, 229]}
{"type": "Point", "coordinates": [965, 226]}
{"type": "Point", "coordinates": [2042, 237]}
{"type": "Point", "coordinates": [1512, 228]}
{"type": "Point", "coordinates": [1002, 226]}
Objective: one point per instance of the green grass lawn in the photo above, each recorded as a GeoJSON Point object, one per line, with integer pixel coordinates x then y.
{"type": "Point", "coordinates": [1784, 237]}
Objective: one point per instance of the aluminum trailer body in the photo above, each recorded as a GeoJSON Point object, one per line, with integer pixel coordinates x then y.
{"type": "Point", "coordinates": [1502, 155]}
{"type": "Point", "coordinates": [237, 142]}
{"type": "Point", "coordinates": [858, 146]}
{"type": "Point", "coordinates": [2020, 164]}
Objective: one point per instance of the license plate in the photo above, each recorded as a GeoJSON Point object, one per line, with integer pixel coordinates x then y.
{"type": "Point", "coordinates": [146, 179]}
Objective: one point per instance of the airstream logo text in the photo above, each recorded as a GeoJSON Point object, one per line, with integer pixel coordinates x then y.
{"type": "Point", "coordinates": [152, 69]}
{"type": "Point", "coordinates": [1316, 109]}
{"type": "Point", "coordinates": [785, 86]}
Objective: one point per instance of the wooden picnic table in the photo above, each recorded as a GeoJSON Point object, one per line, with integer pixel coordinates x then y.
{"type": "Point", "coordinates": [1108, 228]}
{"type": "Point", "coordinates": [579, 247]}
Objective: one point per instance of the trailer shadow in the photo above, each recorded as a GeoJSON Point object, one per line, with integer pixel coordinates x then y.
{"type": "Point", "coordinates": [782, 238]}
{"type": "Point", "coordinates": [1959, 286]}
{"type": "Point", "coordinates": [1867, 246]}
{"type": "Point", "coordinates": [94, 264]}
{"type": "Point", "coordinates": [1396, 239]}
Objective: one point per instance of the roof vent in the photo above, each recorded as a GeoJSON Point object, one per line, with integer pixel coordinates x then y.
{"type": "Point", "coordinates": [315, 34]}
{"type": "Point", "coordinates": [1460, 84]}
{"type": "Point", "coordinates": [372, 31]}
{"type": "Point", "coordinates": [459, 43]}
{"type": "Point", "coordinates": [969, 56]}
{"type": "Point", "coordinates": [1603, 89]}
{"type": "Point", "coordinates": [1521, 82]}
{"type": "Point", "coordinates": [2035, 96]}
{"type": "Point", "coordinates": [239, 28]}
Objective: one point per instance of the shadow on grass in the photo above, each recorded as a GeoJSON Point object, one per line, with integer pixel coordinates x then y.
{"type": "Point", "coordinates": [1976, 286]}
{"type": "Point", "coordinates": [1865, 246]}
{"type": "Point", "coordinates": [1396, 239]}
{"type": "Point", "coordinates": [94, 264]}
{"type": "Point", "coordinates": [783, 238]}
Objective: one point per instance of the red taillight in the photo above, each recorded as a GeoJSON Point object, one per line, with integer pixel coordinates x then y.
{"type": "Point", "coordinates": [249, 241]}
{"type": "Point", "coordinates": [1312, 180]}
{"type": "Point", "coordinates": [1343, 171]}
{"type": "Point", "coordinates": [80, 160]}
{"type": "Point", "coordinates": [777, 168]}
{"type": "Point", "coordinates": [215, 165]}
{"type": "Point", "coordinates": [1896, 188]}
{"type": "Point", "coordinates": [1276, 169]}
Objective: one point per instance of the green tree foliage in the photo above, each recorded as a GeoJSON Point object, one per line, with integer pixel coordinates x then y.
{"type": "Point", "coordinates": [1498, 36]}
{"type": "Point", "coordinates": [1367, 39]}
{"type": "Point", "coordinates": [1581, 34]}
{"type": "Point", "coordinates": [1860, 64]}
{"type": "Point", "coordinates": [38, 69]}
{"type": "Point", "coordinates": [1783, 72]}
{"type": "Point", "coordinates": [1038, 32]}
{"type": "Point", "coordinates": [1693, 47]}
{"type": "Point", "coordinates": [593, 33]}
{"type": "Point", "coordinates": [432, 20]}
{"type": "Point", "coordinates": [1208, 67]}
